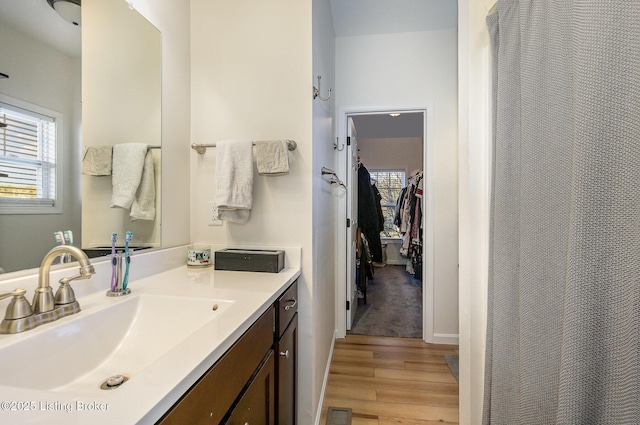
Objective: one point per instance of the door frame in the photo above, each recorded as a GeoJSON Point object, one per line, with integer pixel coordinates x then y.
{"type": "Point", "coordinates": [427, 217]}
{"type": "Point", "coordinates": [351, 167]}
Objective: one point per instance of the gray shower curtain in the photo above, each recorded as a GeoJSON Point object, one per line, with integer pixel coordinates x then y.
{"type": "Point", "coordinates": [563, 334]}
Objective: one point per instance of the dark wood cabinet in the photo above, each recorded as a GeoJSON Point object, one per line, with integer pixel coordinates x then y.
{"type": "Point", "coordinates": [286, 348]}
{"type": "Point", "coordinates": [256, 407]}
{"type": "Point", "coordinates": [287, 374]}
{"type": "Point", "coordinates": [211, 397]}
{"type": "Point", "coordinates": [255, 381]}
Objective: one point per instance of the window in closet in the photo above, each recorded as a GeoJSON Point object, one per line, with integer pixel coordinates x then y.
{"type": "Point", "coordinates": [389, 184]}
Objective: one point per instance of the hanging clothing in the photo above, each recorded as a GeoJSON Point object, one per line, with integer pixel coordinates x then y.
{"type": "Point", "coordinates": [378, 198]}
{"type": "Point", "coordinates": [397, 218]}
{"type": "Point", "coordinates": [368, 216]}
{"type": "Point", "coordinates": [408, 218]}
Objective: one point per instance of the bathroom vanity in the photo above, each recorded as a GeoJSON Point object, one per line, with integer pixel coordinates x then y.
{"type": "Point", "coordinates": [196, 345]}
{"type": "Point", "coordinates": [255, 381]}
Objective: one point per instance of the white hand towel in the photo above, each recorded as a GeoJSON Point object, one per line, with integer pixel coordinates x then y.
{"type": "Point", "coordinates": [96, 160]}
{"type": "Point", "coordinates": [234, 180]}
{"type": "Point", "coordinates": [144, 206]}
{"type": "Point", "coordinates": [128, 163]}
{"type": "Point", "coordinates": [272, 158]}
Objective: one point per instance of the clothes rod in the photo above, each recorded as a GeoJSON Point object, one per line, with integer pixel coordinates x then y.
{"type": "Point", "coordinates": [154, 147]}
{"type": "Point", "coordinates": [291, 145]}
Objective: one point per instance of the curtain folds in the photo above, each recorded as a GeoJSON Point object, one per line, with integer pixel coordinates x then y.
{"type": "Point", "coordinates": [563, 335]}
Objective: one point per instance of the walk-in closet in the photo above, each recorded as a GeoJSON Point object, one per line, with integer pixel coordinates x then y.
{"type": "Point", "coordinates": [389, 219]}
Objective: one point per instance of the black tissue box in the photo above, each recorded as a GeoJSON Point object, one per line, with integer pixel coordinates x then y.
{"type": "Point", "coordinates": [249, 260]}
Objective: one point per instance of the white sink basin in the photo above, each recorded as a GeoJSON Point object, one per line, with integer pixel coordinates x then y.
{"type": "Point", "coordinates": [79, 354]}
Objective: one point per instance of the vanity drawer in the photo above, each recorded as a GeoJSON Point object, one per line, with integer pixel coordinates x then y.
{"type": "Point", "coordinates": [287, 307]}
{"type": "Point", "coordinates": [212, 396]}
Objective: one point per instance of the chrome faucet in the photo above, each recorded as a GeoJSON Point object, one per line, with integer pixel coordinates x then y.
{"type": "Point", "coordinates": [20, 316]}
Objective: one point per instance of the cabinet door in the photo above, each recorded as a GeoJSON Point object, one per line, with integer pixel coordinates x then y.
{"type": "Point", "coordinates": [286, 369]}
{"type": "Point", "coordinates": [209, 400]}
{"type": "Point", "coordinates": [256, 407]}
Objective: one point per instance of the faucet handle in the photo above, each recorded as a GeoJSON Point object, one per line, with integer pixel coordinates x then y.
{"type": "Point", "coordinates": [14, 293]}
{"type": "Point", "coordinates": [19, 307]}
{"type": "Point", "coordinates": [64, 294]}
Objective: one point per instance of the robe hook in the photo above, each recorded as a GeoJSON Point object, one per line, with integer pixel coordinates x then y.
{"type": "Point", "coordinates": [316, 92]}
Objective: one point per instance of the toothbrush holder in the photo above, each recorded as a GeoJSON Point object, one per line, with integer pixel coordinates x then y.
{"type": "Point", "coordinates": [119, 290]}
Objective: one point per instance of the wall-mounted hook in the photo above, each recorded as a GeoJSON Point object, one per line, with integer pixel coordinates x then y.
{"type": "Point", "coordinates": [316, 92]}
{"type": "Point", "coordinates": [335, 145]}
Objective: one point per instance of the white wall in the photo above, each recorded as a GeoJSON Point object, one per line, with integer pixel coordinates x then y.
{"type": "Point", "coordinates": [48, 78]}
{"type": "Point", "coordinates": [325, 203]}
{"type": "Point", "coordinates": [251, 77]}
{"type": "Point", "coordinates": [415, 68]}
{"type": "Point", "coordinates": [474, 166]}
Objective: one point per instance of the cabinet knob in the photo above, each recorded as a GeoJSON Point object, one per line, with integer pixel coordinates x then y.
{"type": "Point", "coordinates": [284, 354]}
{"type": "Point", "coordinates": [289, 307]}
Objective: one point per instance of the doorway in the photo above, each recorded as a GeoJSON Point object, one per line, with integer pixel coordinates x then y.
{"type": "Point", "coordinates": [389, 147]}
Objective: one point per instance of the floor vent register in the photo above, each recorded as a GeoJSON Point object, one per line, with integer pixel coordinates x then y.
{"type": "Point", "coordinates": [338, 416]}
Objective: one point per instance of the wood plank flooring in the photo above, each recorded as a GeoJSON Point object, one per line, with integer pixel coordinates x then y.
{"type": "Point", "coordinates": [392, 381]}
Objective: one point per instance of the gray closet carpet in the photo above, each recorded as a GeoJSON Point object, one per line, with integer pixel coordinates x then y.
{"type": "Point", "coordinates": [394, 305]}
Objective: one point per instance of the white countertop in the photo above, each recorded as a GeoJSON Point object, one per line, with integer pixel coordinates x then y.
{"type": "Point", "coordinates": [152, 391]}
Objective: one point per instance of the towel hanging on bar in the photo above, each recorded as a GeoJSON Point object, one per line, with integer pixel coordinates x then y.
{"type": "Point", "coordinates": [234, 181]}
{"type": "Point", "coordinates": [272, 158]}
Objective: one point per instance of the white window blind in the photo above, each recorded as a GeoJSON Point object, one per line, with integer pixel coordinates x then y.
{"type": "Point", "coordinates": [27, 158]}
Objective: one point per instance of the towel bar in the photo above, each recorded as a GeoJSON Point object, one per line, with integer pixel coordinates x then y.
{"type": "Point", "coordinates": [200, 148]}
{"type": "Point", "coordinates": [334, 177]}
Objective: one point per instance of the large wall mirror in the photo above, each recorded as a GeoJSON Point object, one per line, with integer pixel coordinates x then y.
{"type": "Point", "coordinates": [102, 79]}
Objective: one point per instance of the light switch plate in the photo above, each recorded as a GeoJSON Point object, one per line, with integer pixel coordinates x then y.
{"type": "Point", "coordinates": [213, 214]}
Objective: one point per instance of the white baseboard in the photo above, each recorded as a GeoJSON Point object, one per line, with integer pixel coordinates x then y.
{"type": "Point", "coordinates": [326, 378]}
{"type": "Point", "coordinates": [450, 339]}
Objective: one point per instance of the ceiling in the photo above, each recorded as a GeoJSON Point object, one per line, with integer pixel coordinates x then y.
{"type": "Point", "coordinates": [367, 17]}
{"type": "Point", "coordinates": [38, 20]}
{"type": "Point", "coordinates": [384, 126]}
{"type": "Point", "coordinates": [350, 18]}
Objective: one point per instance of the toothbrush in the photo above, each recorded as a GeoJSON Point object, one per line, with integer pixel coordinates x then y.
{"type": "Point", "coordinates": [68, 238]}
{"type": "Point", "coordinates": [60, 239]}
{"type": "Point", "coordinates": [114, 262]}
{"type": "Point", "coordinates": [127, 259]}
